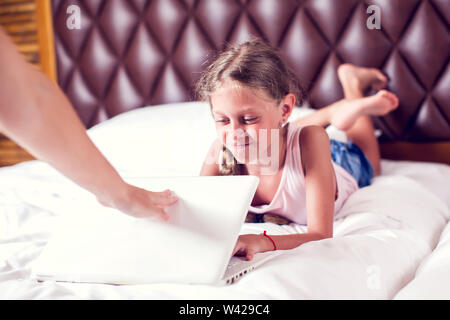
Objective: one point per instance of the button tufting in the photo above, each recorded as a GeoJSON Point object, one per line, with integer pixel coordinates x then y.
{"type": "Point", "coordinates": [132, 53]}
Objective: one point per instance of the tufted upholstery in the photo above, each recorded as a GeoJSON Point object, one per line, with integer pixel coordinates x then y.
{"type": "Point", "coordinates": [130, 54]}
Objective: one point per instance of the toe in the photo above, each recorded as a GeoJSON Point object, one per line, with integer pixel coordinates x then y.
{"type": "Point", "coordinates": [380, 75]}
{"type": "Point", "coordinates": [392, 98]}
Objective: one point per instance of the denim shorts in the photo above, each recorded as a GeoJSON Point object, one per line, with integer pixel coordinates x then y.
{"type": "Point", "coordinates": [350, 157]}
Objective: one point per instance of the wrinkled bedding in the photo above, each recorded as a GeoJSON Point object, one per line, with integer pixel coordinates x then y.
{"type": "Point", "coordinates": [391, 239]}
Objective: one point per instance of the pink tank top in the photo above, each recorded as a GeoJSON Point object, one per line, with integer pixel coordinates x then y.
{"type": "Point", "coordinates": [290, 198]}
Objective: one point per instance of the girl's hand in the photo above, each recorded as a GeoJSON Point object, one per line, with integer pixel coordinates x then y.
{"type": "Point", "coordinates": [249, 244]}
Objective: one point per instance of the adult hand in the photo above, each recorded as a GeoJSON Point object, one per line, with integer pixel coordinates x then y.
{"type": "Point", "coordinates": [141, 203]}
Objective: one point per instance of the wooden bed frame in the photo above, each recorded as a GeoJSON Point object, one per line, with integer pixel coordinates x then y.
{"type": "Point", "coordinates": [399, 150]}
{"type": "Point", "coordinates": [46, 40]}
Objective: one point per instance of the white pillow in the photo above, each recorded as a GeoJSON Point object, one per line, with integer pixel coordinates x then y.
{"type": "Point", "coordinates": [165, 140]}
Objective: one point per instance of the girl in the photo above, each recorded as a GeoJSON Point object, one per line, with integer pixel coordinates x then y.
{"type": "Point", "coordinates": [252, 92]}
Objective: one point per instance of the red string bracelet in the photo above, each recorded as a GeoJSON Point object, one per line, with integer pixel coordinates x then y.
{"type": "Point", "coordinates": [273, 242]}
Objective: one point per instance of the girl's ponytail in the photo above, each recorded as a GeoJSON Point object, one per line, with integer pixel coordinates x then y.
{"type": "Point", "coordinates": [228, 164]}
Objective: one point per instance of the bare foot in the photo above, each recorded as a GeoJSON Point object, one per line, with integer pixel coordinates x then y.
{"type": "Point", "coordinates": [351, 75]}
{"type": "Point", "coordinates": [381, 103]}
{"type": "Point", "coordinates": [347, 112]}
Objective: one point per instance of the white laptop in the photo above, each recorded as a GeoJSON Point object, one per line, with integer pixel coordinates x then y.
{"type": "Point", "coordinates": [102, 245]}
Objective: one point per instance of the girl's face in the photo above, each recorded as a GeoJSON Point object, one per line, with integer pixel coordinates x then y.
{"type": "Point", "coordinates": [244, 119]}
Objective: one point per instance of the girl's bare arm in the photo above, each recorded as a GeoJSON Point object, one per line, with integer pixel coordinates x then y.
{"type": "Point", "coordinates": [320, 196]}
{"type": "Point", "coordinates": [320, 184]}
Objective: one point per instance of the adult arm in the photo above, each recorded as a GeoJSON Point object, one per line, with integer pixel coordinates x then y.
{"type": "Point", "coordinates": [36, 114]}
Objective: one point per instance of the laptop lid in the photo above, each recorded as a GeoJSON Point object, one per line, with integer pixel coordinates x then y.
{"type": "Point", "coordinates": [102, 245]}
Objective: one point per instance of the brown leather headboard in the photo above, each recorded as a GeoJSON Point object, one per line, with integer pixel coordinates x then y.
{"type": "Point", "coordinates": [133, 53]}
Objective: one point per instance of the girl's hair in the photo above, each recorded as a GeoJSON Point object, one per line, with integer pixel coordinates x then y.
{"type": "Point", "coordinates": [253, 64]}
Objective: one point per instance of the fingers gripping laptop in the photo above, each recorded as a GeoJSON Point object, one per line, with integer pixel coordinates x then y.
{"type": "Point", "coordinates": [102, 245]}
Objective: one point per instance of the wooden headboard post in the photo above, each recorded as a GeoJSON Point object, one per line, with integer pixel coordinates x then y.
{"type": "Point", "coordinates": [46, 38]}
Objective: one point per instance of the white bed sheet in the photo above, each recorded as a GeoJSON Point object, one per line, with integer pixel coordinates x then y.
{"type": "Point", "coordinates": [432, 280]}
{"type": "Point", "coordinates": [384, 233]}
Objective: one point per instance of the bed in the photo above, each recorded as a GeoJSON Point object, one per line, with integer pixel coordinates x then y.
{"type": "Point", "coordinates": [391, 239]}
